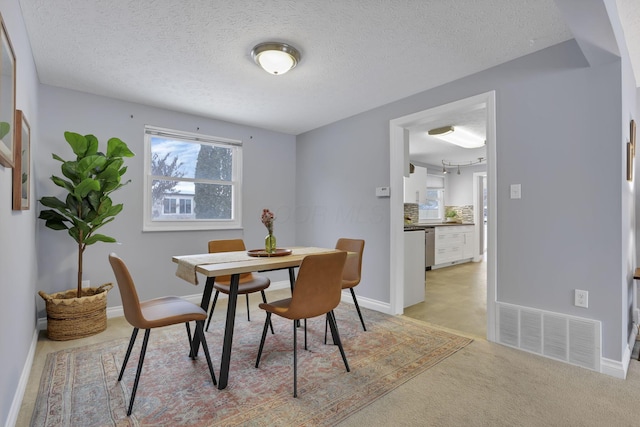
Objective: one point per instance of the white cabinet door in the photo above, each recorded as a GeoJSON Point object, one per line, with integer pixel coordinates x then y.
{"type": "Point", "coordinates": [454, 243]}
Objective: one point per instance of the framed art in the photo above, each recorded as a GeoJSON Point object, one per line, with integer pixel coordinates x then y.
{"type": "Point", "coordinates": [22, 163]}
{"type": "Point", "coordinates": [7, 98]}
{"type": "Point", "coordinates": [629, 162]}
{"type": "Point", "coordinates": [632, 136]}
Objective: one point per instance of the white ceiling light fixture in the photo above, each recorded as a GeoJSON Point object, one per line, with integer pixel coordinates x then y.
{"type": "Point", "coordinates": [457, 136]}
{"type": "Point", "coordinates": [275, 58]}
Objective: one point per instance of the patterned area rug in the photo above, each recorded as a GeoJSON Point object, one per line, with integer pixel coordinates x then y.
{"type": "Point", "coordinates": [79, 386]}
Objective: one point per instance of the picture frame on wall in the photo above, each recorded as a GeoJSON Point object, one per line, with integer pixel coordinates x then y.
{"type": "Point", "coordinates": [632, 136]}
{"type": "Point", "coordinates": [22, 163]}
{"type": "Point", "coordinates": [7, 98]}
{"type": "Point", "coordinates": [629, 161]}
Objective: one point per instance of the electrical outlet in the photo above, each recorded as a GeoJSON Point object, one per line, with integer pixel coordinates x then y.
{"type": "Point", "coordinates": [86, 283]}
{"type": "Point", "coordinates": [581, 298]}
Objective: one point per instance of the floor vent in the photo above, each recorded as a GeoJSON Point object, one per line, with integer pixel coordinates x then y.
{"type": "Point", "coordinates": [567, 338]}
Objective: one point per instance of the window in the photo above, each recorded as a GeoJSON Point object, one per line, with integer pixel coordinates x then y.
{"type": "Point", "coordinates": [192, 181]}
{"type": "Point", "coordinates": [433, 208]}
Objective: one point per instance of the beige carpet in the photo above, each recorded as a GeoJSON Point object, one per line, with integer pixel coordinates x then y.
{"type": "Point", "coordinates": [79, 385]}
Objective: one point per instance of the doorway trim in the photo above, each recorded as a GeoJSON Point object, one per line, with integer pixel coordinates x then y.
{"type": "Point", "coordinates": [399, 158]}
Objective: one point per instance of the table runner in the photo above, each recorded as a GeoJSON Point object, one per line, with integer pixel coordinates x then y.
{"type": "Point", "coordinates": [187, 264]}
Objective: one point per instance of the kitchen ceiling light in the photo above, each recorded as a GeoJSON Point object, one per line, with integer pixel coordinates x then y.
{"type": "Point", "coordinates": [461, 164]}
{"type": "Point", "coordinates": [275, 58]}
{"type": "Point", "coordinates": [445, 130]}
{"type": "Point", "coordinates": [457, 136]}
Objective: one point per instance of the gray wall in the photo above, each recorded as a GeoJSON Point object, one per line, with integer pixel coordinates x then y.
{"type": "Point", "coordinates": [269, 182]}
{"type": "Point", "coordinates": [559, 135]}
{"type": "Point", "coordinates": [553, 111]}
{"type": "Point", "coordinates": [460, 187]}
{"type": "Point", "coordinates": [18, 268]}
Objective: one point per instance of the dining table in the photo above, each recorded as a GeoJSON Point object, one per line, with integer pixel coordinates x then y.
{"type": "Point", "coordinates": [213, 265]}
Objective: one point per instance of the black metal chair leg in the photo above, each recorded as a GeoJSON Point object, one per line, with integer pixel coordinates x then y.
{"type": "Point", "coordinates": [267, 322]}
{"type": "Point", "coordinates": [205, 347]}
{"type": "Point", "coordinates": [355, 301]}
{"type": "Point", "coordinates": [326, 326]}
{"type": "Point", "coordinates": [336, 337]}
{"type": "Point", "coordinates": [295, 360]}
{"type": "Point", "coordinates": [264, 300]}
{"type": "Point", "coordinates": [132, 341]}
{"type": "Point", "coordinates": [191, 355]}
{"type": "Point", "coordinates": [248, 317]}
{"type": "Point", "coordinates": [213, 305]}
{"type": "Point", "coordinates": [139, 371]}
{"type": "Point", "coordinates": [305, 334]}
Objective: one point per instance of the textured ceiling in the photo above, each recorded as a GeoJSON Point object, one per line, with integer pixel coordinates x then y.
{"type": "Point", "coordinates": [356, 54]}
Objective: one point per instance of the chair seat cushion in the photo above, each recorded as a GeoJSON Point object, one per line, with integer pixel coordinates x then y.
{"type": "Point", "coordinates": [346, 284]}
{"type": "Point", "coordinates": [255, 284]}
{"type": "Point", "coordinates": [167, 311]}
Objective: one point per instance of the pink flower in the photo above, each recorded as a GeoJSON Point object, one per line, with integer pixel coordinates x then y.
{"type": "Point", "coordinates": [267, 219]}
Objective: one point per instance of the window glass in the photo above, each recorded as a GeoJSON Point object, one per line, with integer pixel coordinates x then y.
{"type": "Point", "coordinates": [193, 181]}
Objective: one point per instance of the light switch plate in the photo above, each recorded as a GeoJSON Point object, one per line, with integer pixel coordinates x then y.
{"type": "Point", "coordinates": [516, 191]}
{"type": "Point", "coordinates": [382, 192]}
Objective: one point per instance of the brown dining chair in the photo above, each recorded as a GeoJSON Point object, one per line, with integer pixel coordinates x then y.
{"type": "Point", "coordinates": [352, 269]}
{"type": "Point", "coordinates": [249, 283]}
{"type": "Point", "coordinates": [154, 313]}
{"type": "Point", "coordinates": [316, 292]}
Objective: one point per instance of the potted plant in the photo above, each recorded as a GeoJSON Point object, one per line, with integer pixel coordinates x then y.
{"type": "Point", "coordinates": [451, 215]}
{"type": "Point", "coordinates": [89, 180]}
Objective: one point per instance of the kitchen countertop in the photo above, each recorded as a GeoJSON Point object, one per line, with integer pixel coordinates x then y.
{"type": "Point", "coordinates": [411, 227]}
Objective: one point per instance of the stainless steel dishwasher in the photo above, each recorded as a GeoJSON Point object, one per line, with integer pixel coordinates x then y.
{"type": "Point", "coordinates": [430, 247]}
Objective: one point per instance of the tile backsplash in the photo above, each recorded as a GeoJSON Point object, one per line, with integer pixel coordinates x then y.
{"type": "Point", "coordinates": [464, 212]}
{"type": "Point", "coordinates": [411, 211]}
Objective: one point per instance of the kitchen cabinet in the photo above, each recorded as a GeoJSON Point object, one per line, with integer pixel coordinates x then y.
{"type": "Point", "coordinates": [415, 187]}
{"type": "Point", "coordinates": [414, 268]}
{"type": "Point", "coordinates": [454, 243]}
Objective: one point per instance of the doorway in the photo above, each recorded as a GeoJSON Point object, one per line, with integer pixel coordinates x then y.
{"type": "Point", "coordinates": [399, 163]}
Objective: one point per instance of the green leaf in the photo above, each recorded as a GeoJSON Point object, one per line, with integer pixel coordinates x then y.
{"type": "Point", "coordinates": [4, 129]}
{"type": "Point", "coordinates": [53, 202]}
{"type": "Point", "coordinates": [86, 186]}
{"type": "Point", "coordinates": [63, 183]}
{"type": "Point", "coordinates": [92, 145]}
{"type": "Point", "coordinates": [70, 170]}
{"type": "Point", "coordinates": [90, 164]}
{"type": "Point", "coordinates": [117, 148]}
{"type": "Point", "coordinates": [77, 142]}
{"type": "Point", "coordinates": [99, 238]}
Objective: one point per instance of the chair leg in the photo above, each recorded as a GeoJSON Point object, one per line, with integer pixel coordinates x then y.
{"type": "Point", "coordinates": [139, 371]}
{"type": "Point", "coordinates": [355, 301]}
{"type": "Point", "coordinates": [267, 322]}
{"type": "Point", "coordinates": [247, 297]}
{"type": "Point", "coordinates": [305, 334]}
{"type": "Point", "coordinates": [295, 360]}
{"type": "Point", "coordinates": [326, 326]}
{"type": "Point", "coordinates": [132, 341]}
{"type": "Point", "coordinates": [205, 347]}
{"type": "Point", "coordinates": [191, 355]}
{"type": "Point", "coordinates": [264, 300]}
{"type": "Point", "coordinates": [336, 337]}
{"type": "Point", "coordinates": [213, 305]}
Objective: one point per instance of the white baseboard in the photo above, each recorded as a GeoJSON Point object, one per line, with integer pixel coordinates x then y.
{"type": "Point", "coordinates": [14, 410]}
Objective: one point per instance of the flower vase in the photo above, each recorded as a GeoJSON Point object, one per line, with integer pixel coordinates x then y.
{"type": "Point", "coordinates": [270, 243]}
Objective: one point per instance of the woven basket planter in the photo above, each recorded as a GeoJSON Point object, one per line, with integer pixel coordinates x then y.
{"type": "Point", "coordinates": [70, 317]}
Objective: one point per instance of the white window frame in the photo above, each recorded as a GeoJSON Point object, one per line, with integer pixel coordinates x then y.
{"type": "Point", "coordinates": [235, 222]}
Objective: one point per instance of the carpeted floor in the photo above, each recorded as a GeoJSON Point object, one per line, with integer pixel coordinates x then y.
{"type": "Point", "coordinates": [79, 386]}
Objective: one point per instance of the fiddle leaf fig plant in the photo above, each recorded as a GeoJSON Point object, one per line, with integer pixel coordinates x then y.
{"type": "Point", "coordinates": [89, 180]}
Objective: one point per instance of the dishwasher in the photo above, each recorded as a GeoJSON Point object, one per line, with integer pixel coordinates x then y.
{"type": "Point", "coordinates": [430, 247]}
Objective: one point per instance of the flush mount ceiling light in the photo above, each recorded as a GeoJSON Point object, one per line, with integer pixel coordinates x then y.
{"type": "Point", "coordinates": [275, 58]}
{"type": "Point", "coordinates": [445, 130]}
{"type": "Point", "coordinates": [457, 136]}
